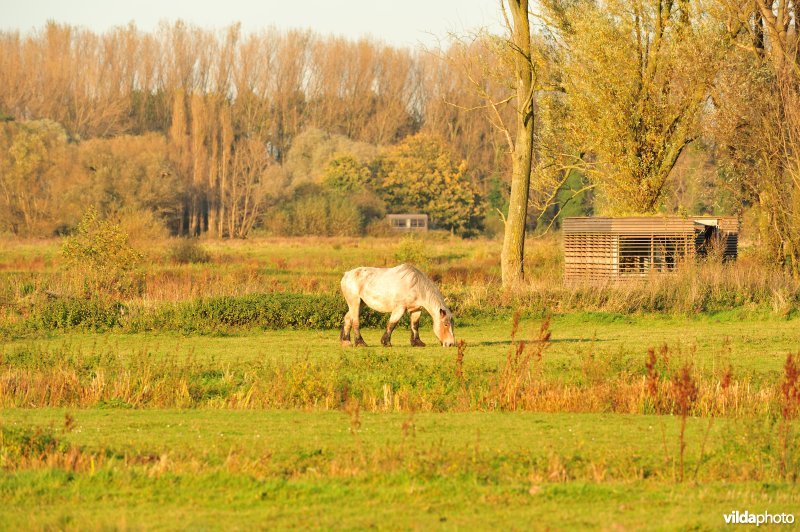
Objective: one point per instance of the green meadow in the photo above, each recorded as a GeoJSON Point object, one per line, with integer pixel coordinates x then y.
{"type": "Point", "coordinates": [240, 425]}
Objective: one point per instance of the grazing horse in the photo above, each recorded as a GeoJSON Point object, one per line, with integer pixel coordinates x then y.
{"type": "Point", "coordinates": [397, 290]}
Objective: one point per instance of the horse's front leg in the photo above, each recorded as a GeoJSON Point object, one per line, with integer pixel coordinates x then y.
{"type": "Point", "coordinates": [397, 314]}
{"type": "Point", "coordinates": [415, 341]}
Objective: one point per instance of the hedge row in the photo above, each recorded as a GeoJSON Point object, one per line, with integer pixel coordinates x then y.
{"type": "Point", "coordinates": [264, 311]}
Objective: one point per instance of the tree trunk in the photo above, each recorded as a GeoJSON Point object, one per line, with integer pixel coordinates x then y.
{"type": "Point", "coordinates": [514, 238]}
{"type": "Point", "coordinates": [212, 196]}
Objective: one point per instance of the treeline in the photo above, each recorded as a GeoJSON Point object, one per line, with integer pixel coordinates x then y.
{"type": "Point", "coordinates": [211, 130]}
{"type": "Point", "coordinates": [662, 106]}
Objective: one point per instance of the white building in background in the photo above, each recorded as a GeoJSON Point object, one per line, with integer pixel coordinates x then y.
{"type": "Point", "coordinates": [408, 222]}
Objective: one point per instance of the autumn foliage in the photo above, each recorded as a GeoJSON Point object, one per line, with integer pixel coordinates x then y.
{"type": "Point", "coordinates": [419, 175]}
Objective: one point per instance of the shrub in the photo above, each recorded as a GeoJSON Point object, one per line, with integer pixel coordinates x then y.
{"type": "Point", "coordinates": [344, 218]}
{"type": "Point", "coordinates": [277, 222]}
{"type": "Point", "coordinates": [143, 227]}
{"type": "Point", "coordinates": [309, 216]}
{"type": "Point", "coordinates": [319, 213]}
{"type": "Point", "coordinates": [379, 228]}
{"type": "Point", "coordinates": [411, 249]}
{"type": "Point", "coordinates": [188, 251]}
{"type": "Point", "coordinates": [69, 313]}
{"type": "Point", "coordinates": [100, 259]}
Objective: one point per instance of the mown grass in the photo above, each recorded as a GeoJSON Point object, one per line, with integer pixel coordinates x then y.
{"type": "Point", "coordinates": [754, 345]}
{"type": "Point", "coordinates": [233, 502]}
{"type": "Point", "coordinates": [316, 469]}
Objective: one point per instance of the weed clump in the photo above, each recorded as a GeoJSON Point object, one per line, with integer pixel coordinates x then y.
{"type": "Point", "coordinates": [17, 444]}
{"type": "Point", "coordinates": [684, 392]}
{"type": "Point", "coordinates": [188, 251]}
{"type": "Point", "coordinates": [790, 404]}
{"type": "Point", "coordinates": [517, 382]}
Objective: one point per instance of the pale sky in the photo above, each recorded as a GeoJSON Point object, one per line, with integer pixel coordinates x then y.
{"type": "Point", "coordinates": [397, 22]}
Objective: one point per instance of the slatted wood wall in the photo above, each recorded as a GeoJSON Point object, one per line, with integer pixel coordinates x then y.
{"type": "Point", "coordinates": [614, 249]}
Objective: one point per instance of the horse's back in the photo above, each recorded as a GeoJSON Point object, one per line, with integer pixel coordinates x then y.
{"type": "Point", "coordinates": [383, 288]}
{"type": "Point", "coordinates": [354, 281]}
{"type": "Point", "coordinates": [402, 274]}
{"type": "Point", "coordinates": [358, 276]}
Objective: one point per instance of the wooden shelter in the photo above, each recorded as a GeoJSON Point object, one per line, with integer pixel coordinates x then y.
{"type": "Point", "coordinates": [615, 249]}
{"type": "Point", "coordinates": [408, 222]}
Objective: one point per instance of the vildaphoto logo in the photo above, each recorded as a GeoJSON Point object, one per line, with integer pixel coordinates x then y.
{"type": "Point", "coordinates": [746, 518]}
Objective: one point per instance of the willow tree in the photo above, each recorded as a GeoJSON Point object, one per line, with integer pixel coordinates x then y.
{"type": "Point", "coordinates": [757, 120]}
{"type": "Point", "coordinates": [636, 75]}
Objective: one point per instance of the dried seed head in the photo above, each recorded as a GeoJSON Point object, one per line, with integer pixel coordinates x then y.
{"type": "Point", "coordinates": [684, 389]}
{"type": "Point", "coordinates": [652, 374]}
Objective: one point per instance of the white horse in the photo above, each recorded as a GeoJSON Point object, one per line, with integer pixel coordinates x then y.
{"type": "Point", "coordinates": [397, 290]}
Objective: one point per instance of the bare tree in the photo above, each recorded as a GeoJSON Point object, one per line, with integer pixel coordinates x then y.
{"type": "Point", "coordinates": [180, 152]}
{"type": "Point", "coordinates": [246, 195]}
{"type": "Point", "coordinates": [199, 130]}
{"type": "Point", "coordinates": [225, 163]}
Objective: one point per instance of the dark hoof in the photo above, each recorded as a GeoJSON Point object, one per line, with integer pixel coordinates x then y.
{"type": "Point", "coordinates": [417, 343]}
{"type": "Point", "coordinates": [361, 343]}
{"type": "Point", "coordinates": [386, 340]}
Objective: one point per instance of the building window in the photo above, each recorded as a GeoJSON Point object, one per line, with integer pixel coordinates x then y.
{"type": "Point", "coordinates": [408, 222]}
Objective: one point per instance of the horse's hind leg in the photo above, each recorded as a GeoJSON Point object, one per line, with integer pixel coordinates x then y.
{"type": "Point", "coordinates": [351, 320]}
{"type": "Point", "coordinates": [397, 314]}
{"type": "Point", "coordinates": [354, 312]}
{"type": "Point", "coordinates": [350, 293]}
{"type": "Point", "coordinates": [415, 341]}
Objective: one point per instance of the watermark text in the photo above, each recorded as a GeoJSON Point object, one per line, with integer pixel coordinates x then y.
{"type": "Point", "coordinates": [765, 518]}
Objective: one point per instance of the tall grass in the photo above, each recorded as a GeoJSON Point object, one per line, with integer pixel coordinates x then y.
{"type": "Point", "coordinates": [28, 306]}
{"type": "Point", "coordinates": [467, 273]}
{"type": "Point", "coordinates": [790, 405]}
{"type": "Point", "coordinates": [64, 376]}
{"type": "Point", "coordinates": [710, 287]}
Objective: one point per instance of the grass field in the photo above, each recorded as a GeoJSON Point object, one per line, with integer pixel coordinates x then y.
{"type": "Point", "coordinates": [213, 469]}
{"type": "Point", "coordinates": [753, 345]}
{"type": "Point", "coordinates": [243, 427]}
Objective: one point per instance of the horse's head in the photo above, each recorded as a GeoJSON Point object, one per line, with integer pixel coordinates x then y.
{"type": "Point", "coordinates": [443, 327]}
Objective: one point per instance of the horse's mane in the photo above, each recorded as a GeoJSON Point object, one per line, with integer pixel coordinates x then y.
{"type": "Point", "coordinates": [427, 288]}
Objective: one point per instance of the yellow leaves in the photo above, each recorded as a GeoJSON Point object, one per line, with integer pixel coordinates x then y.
{"type": "Point", "coordinates": [419, 175]}
{"type": "Point", "coordinates": [632, 94]}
